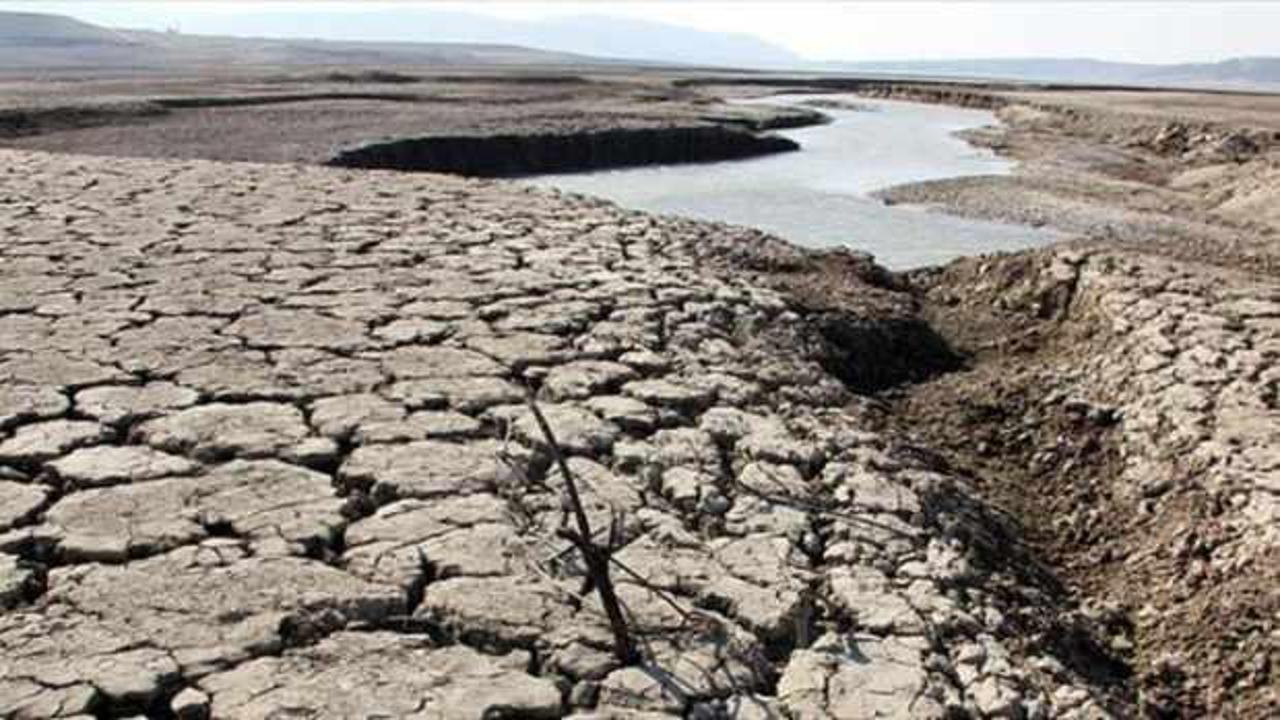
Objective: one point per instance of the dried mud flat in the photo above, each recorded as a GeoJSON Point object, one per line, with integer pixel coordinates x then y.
{"type": "Point", "coordinates": [265, 453]}
{"type": "Point", "coordinates": [264, 449]}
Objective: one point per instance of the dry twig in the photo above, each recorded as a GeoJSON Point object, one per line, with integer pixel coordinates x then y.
{"type": "Point", "coordinates": [595, 557]}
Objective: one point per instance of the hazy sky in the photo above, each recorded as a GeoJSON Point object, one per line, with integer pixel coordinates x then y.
{"type": "Point", "coordinates": [1131, 31]}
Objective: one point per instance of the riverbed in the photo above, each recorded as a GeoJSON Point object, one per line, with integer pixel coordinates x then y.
{"type": "Point", "coordinates": [820, 195]}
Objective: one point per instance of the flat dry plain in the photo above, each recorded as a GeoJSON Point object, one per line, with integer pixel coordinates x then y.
{"type": "Point", "coordinates": [265, 451]}
{"type": "Point", "coordinates": [279, 117]}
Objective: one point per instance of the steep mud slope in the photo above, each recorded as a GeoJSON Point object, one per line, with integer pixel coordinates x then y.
{"type": "Point", "coordinates": [508, 155]}
{"type": "Point", "coordinates": [1123, 407]}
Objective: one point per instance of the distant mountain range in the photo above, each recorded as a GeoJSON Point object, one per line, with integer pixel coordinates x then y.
{"type": "Point", "coordinates": [35, 29]}
{"type": "Point", "coordinates": [593, 35]}
{"type": "Point", "coordinates": [416, 36]}
{"type": "Point", "coordinates": [1259, 72]}
{"type": "Point", "coordinates": [33, 41]}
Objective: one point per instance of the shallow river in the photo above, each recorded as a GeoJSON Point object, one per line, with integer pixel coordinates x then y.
{"type": "Point", "coordinates": [818, 196]}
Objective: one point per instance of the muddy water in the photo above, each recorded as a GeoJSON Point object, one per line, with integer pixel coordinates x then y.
{"type": "Point", "coordinates": [820, 195]}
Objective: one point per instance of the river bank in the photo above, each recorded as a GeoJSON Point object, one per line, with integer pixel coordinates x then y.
{"type": "Point", "coordinates": [1119, 394]}
{"type": "Point", "coordinates": [1200, 189]}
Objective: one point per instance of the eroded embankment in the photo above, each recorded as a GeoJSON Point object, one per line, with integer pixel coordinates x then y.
{"type": "Point", "coordinates": [1121, 404]}
{"type": "Point", "coordinates": [263, 450]}
{"type": "Point", "coordinates": [20, 122]}
{"type": "Point", "coordinates": [867, 325]}
{"type": "Point", "coordinates": [986, 97]}
{"type": "Point", "coordinates": [510, 155]}
{"type": "Point", "coordinates": [1123, 408]}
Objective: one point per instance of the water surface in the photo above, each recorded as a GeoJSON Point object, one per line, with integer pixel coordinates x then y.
{"type": "Point", "coordinates": [819, 195]}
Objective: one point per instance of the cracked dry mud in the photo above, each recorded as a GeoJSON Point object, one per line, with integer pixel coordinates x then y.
{"type": "Point", "coordinates": [263, 453]}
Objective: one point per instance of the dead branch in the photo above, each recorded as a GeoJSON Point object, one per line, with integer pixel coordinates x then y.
{"type": "Point", "coordinates": [595, 557]}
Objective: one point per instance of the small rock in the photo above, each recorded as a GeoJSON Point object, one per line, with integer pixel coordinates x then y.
{"type": "Point", "coordinates": [714, 503]}
{"type": "Point", "coordinates": [683, 486]}
{"type": "Point", "coordinates": [190, 704]}
{"type": "Point", "coordinates": [18, 581]}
